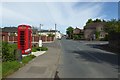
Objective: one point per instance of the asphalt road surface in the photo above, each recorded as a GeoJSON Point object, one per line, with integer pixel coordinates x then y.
{"type": "Point", "coordinates": [78, 60]}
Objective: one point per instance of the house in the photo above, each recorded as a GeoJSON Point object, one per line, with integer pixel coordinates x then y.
{"type": "Point", "coordinates": [9, 34]}
{"type": "Point", "coordinates": [56, 33]}
{"type": "Point", "coordinates": [92, 30]}
{"type": "Point", "coordinates": [78, 32]}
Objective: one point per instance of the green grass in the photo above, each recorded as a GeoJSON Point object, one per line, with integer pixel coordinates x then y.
{"type": "Point", "coordinates": [27, 59]}
{"type": "Point", "coordinates": [0, 70]}
{"type": "Point", "coordinates": [11, 66]}
{"type": "Point", "coordinates": [34, 49]}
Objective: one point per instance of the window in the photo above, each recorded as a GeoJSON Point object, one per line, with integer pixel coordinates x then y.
{"type": "Point", "coordinates": [22, 39]}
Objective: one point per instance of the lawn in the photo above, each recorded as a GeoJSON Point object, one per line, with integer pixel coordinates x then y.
{"type": "Point", "coordinates": [11, 66]}
{"type": "Point", "coordinates": [34, 49]}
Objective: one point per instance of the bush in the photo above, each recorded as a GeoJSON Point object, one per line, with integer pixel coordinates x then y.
{"type": "Point", "coordinates": [8, 51]}
{"type": "Point", "coordinates": [105, 38]}
{"type": "Point", "coordinates": [76, 37]}
{"type": "Point", "coordinates": [51, 35]}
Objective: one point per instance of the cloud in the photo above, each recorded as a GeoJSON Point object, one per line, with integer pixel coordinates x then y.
{"type": "Point", "coordinates": [0, 14]}
{"type": "Point", "coordinates": [59, 0]}
{"type": "Point", "coordinates": [63, 13]}
{"type": "Point", "coordinates": [14, 17]}
{"type": "Point", "coordinates": [76, 16]}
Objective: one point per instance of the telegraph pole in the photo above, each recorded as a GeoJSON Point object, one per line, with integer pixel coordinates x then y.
{"type": "Point", "coordinates": [40, 40]}
{"type": "Point", "coordinates": [40, 31]}
{"type": "Point", "coordinates": [55, 30]}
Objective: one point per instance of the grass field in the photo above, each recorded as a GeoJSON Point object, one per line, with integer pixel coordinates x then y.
{"type": "Point", "coordinates": [11, 66]}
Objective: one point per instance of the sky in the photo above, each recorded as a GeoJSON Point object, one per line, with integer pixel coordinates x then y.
{"type": "Point", "coordinates": [64, 14]}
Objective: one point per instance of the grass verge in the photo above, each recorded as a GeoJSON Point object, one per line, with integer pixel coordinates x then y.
{"type": "Point", "coordinates": [11, 66]}
{"type": "Point", "coordinates": [34, 49]}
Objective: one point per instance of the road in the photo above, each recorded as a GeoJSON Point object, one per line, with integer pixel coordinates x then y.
{"type": "Point", "coordinates": [78, 60]}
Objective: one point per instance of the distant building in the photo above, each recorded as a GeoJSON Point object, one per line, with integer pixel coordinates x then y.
{"type": "Point", "coordinates": [76, 31]}
{"type": "Point", "coordinates": [9, 34]}
{"type": "Point", "coordinates": [91, 29]}
{"type": "Point", "coordinates": [56, 33]}
{"type": "Point", "coordinates": [79, 32]}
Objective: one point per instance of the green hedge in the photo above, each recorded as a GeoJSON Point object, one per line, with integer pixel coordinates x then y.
{"type": "Point", "coordinates": [76, 37]}
{"type": "Point", "coordinates": [9, 51]}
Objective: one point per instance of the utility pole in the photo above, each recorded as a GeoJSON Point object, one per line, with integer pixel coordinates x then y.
{"type": "Point", "coordinates": [40, 30]}
{"type": "Point", "coordinates": [55, 30]}
{"type": "Point", "coordinates": [40, 40]}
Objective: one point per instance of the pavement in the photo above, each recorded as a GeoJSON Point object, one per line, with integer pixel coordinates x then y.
{"type": "Point", "coordinates": [79, 60]}
{"type": "Point", "coordinates": [43, 66]}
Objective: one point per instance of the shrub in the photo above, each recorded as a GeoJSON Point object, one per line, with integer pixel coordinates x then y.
{"type": "Point", "coordinates": [76, 37]}
{"type": "Point", "coordinates": [8, 51]}
{"type": "Point", "coordinates": [51, 35]}
{"type": "Point", "coordinates": [105, 38]}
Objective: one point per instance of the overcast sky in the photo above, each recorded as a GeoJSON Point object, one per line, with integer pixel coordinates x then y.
{"type": "Point", "coordinates": [64, 14]}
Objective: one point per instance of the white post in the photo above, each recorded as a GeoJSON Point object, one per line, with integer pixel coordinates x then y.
{"type": "Point", "coordinates": [40, 43]}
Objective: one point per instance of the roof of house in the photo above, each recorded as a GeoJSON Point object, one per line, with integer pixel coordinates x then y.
{"type": "Point", "coordinates": [76, 28]}
{"type": "Point", "coordinates": [9, 29]}
{"type": "Point", "coordinates": [94, 25]}
{"type": "Point", "coordinates": [34, 31]}
{"type": "Point", "coordinates": [14, 29]}
{"type": "Point", "coordinates": [48, 31]}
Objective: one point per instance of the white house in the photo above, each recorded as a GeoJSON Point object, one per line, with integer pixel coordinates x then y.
{"type": "Point", "coordinates": [57, 34]}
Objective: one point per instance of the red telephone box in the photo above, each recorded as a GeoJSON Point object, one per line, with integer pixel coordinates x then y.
{"type": "Point", "coordinates": [25, 38]}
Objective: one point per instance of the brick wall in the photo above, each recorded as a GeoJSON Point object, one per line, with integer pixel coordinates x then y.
{"type": "Point", "coordinates": [7, 38]}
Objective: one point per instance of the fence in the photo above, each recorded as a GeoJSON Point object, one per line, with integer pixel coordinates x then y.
{"type": "Point", "coordinates": [35, 39]}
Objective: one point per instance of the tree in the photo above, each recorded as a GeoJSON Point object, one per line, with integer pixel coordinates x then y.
{"type": "Point", "coordinates": [97, 20]}
{"type": "Point", "coordinates": [97, 34]}
{"type": "Point", "coordinates": [112, 26]}
{"type": "Point", "coordinates": [93, 21]}
{"type": "Point", "coordinates": [51, 35]}
{"type": "Point", "coordinates": [103, 20]}
{"type": "Point", "coordinates": [69, 32]}
{"type": "Point", "coordinates": [89, 21]}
